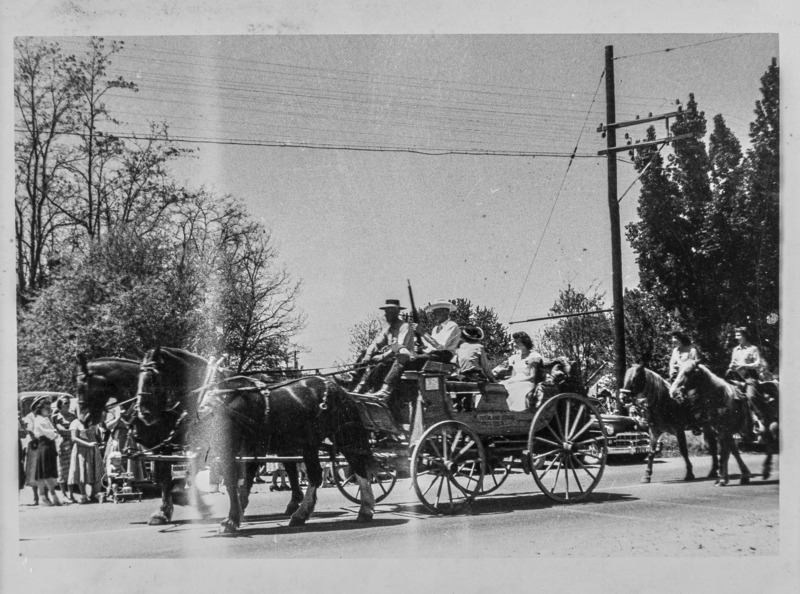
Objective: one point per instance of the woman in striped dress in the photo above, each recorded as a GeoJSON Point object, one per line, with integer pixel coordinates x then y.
{"type": "Point", "coordinates": [61, 421]}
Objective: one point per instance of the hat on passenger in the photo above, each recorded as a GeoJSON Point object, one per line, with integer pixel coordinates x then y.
{"type": "Point", "coordinates": [392, 304]}
{"type": "Point", "coordinates": [472, 333]}
{"type": "Point", "coordinates": [40, 401]}
{"type": "Point", "coordinates": [440, 304]}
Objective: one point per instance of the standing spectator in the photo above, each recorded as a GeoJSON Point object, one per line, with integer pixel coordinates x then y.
{"type": "Point", "coordinates": [61, 421]}
{"type": "Point", "coordinates": [46, 471]}
{"type": "Point", "coordinates": [29, 464]}
{"type": "Point", "coordinates": [682, 350]}
{"type": "Point", "coordinates": [86, 464]}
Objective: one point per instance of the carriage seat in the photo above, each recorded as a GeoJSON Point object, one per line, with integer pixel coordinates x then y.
{"type": "Point", "coordinates": [480, 396]}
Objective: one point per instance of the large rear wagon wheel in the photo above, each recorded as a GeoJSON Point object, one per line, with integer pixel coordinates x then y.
{"type": "Point", "coordinates": [567, 448]}
{"type": "Point", "coordinates": [447, 467]}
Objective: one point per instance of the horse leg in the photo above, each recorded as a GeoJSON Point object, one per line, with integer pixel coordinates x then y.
{"type": "Point", "coordinates": [297, 492]}
{"type": "Point", "coordinates": [314, 472]}
{"type": "Point", "coordinates": [230, 474]}
{"type": "Point", "coordinates": [250, 470]}
{"type": "Point", "coordinates": [724, 454]}
{"type": "Point", "coordinates": [195, 497]}
{"type": "Point", "coordinates": [360, 462]}
{"type": "Point", "coordinates": [648, 473]}
{"type": "Point", "coordinates": [711, 441]}
{"type": "Point", "coordinates": [163, 476]}
{"type": "Point", "coordinates": [684, 450]}
{"type": "Point", "coordinates": [746, 474]}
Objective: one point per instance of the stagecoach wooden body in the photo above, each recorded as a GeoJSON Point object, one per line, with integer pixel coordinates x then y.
{"type": "Point", "coordinates": [458, 440]}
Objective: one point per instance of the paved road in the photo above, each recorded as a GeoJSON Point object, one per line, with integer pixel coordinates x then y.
{"type": "Point", "coordinates": [624, 518]}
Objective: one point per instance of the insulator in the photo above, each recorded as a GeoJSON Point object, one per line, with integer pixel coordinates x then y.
{"type": "Point", "coordinates": [603, 135]}
{"type": "Point", "coordinates": [626, 135]}
{"type": "Point", "coordinates": [637, 116]}
{"type": "Point", "coordinates": [650, 115]}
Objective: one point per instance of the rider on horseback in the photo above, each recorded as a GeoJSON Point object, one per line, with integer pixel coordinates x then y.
{"type": "Point", "coordinates": [746, 366]}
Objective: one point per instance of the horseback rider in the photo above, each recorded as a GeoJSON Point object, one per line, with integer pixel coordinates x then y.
{"type": "Point", "coordinates": [747, 364]}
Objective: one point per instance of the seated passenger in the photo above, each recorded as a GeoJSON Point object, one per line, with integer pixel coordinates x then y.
{"type": "Point", "coordinates": [442, 343]}
{"type": "Point", "coordinates": [471, 357]}
{"type": "Point", "coordinates": [523, 364]}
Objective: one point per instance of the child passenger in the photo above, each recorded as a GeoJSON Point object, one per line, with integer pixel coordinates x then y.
{"type": "Point", "coordinates": [471, 356]}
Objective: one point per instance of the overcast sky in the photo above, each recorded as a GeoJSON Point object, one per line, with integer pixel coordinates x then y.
{"type": "Point", "coordinates": [355, 225]}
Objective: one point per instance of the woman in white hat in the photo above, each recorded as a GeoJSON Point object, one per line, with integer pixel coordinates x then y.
{"type": "Point", "coordinates": [46, 471]}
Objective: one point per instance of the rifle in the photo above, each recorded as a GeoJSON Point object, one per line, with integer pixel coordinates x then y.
{"type": "Point", "coordinates": [415, 317]}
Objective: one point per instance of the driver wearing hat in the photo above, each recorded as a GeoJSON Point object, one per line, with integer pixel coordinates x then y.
{"type": "Point", "coordinates": [391, 350]}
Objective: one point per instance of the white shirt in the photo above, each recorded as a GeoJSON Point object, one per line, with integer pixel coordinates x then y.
{"type": "Point", "coordinates": [447, 335]}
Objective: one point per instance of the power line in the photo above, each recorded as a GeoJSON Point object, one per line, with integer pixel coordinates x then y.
{"type": "Point", "coordinates": [677, 47]}
{"type": "Point", "coordinates": [558, 195]}
{"type": "Point", "coordinates": [365, 148]}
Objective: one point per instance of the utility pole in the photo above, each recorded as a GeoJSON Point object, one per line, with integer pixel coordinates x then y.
{"type": "Point", "coordinates": [610, 133]}
{"type": "Point", "coordinates": [613, 210]}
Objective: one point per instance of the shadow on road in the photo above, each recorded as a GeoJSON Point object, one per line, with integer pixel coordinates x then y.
{"type": "Point", "coordinates": [312, 526]}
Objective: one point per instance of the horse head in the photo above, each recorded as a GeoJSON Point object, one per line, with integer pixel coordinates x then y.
{"type": "Point", "coordinates": [690, 375]}
{"type": "Point", "coordinates": [98, 381]}
{"type": "Point", "coordinates": [167, 379]}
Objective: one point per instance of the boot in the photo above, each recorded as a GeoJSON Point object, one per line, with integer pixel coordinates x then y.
{"type": "Point", "coordinates": [361, 388]}
{"type": "Point", "coordinates": [390, 381]}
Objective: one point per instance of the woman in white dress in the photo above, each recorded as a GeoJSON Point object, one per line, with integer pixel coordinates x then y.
{"type": "Point", "coordinates": [522, 362]}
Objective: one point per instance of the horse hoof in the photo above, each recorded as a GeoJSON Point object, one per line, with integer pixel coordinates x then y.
{"type": "Point", "coordinates": [645, 480]}
{"type": "Point", "coordinates": [291, 508]}
{"type": "Point", "coordinates": [295, 521]}
{"type": "Point", "coordinates": [158, 520]}
{"type": "Point", "coordinates": [228, 527]}
{"type": "Point", "coordinates": [720, 483]}
{"type": "Point", "coordinates": [364, 517]}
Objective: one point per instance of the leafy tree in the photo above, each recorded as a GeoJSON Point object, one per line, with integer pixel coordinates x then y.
{"type": "Point", "coordinates": [363, 333]}
{"type": "Point", "coordinates": [588, 339]}
{"type": "Point", "coordinates": [707, 241]}
{"type": "Point", "coordinates": [647, 330]}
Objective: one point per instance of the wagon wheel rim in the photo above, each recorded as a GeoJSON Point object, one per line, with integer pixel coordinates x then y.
{"type": "Point", "coordinates": [447, 467]}
{"type": "Point", "coordinates": [499, 473]}
{"type": "Point", "coordinates": [345, 479]}
{"type": "Point", "coordinates": [567, 448]}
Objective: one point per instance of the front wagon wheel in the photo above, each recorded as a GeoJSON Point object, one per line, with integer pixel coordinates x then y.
{"type": "Point", "coordinates": [447, 467]}
{"type": "Point", "coordinates": [567, 448]}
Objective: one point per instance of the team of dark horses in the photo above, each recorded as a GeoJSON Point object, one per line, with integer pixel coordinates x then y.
{"type": "Point", "coordinates": [175, 402]}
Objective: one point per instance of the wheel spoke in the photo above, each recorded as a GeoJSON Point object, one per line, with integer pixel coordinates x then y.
{"type": "Point", "coordinates": [559, 438]}
{"type": "Point", "coordinates": [592, 440]}
{"type": "Point", "coordinates": [566, 473]}
{"type": "Point", "coordinates": [460, 454]}
{"type": "Point", "coordinates": [547, 441]}
{"type": "Point", "coordinates": [349, 479]}
{"type": "Point", "coordinates": [555, 481]}
{"type": "Point", "coordinates": [435, 449]}
{"type": "Point", "coordinates": [586, 470]}
{"type": "Point", "coordinates": [560, 427]}
{"type": "Point", "coordinates": [575, 424]}
{"type": "Point", "coordinates": [450, 489]}
{"type": "Point", "coordinates": [583, 430]}
{"type": "Point", "coordinates": [454, 443]}
{"type": "Point", "coordinates": [575, 474]}
{"type": "Point", "coordinates": [549, 466]}
{"type": "Point", "coordinates": [566, 420]}
{"type": "Point", "coordinates": [537, 456]}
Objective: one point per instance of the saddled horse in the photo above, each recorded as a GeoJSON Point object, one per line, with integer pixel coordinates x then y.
{"type": "Point", "coordinates": [168, 384]}
{"type": "Point", "coordinates": [727, 411]}
{"type": "Point", "coordinates": [295, 416]}
{"type": "Point", "coordinates": [649, 392]}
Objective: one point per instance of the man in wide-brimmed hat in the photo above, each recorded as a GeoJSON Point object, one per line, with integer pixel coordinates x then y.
{"type": "Point", "coordinates": [445, 335]}
{"type": "Point", "coordinates": [392, 349]}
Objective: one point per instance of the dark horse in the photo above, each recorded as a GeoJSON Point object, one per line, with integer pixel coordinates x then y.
{"type": "Point", "coordinates": [727, 412]}
{"type": "Point", "coordinates": [295, 416]}
{"type": "Point", "coordinates": [169, 382]}
{"type": "Point", "coordinates": [102, 379]}
{"type": "Point", "coordinates": [650, 393]}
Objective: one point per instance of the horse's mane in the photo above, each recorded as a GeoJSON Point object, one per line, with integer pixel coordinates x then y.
{"type": "Point", "coordinates": [655, 386]}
